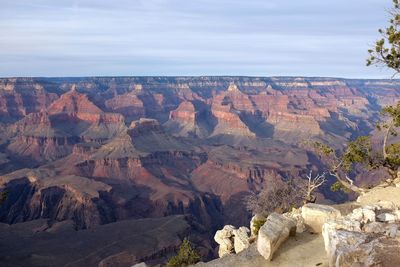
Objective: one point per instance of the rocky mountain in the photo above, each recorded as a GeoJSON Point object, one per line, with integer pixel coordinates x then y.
{"type": "Point", "coordinates": [100, 150]}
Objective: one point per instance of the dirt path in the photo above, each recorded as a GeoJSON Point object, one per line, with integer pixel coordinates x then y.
{"type": "Point", "coordinates": [304, 250]}
{"type": "Point", "coordinates": [390, 193]}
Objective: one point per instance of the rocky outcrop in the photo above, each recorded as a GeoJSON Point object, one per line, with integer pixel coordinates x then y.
{"type": "Point", "coordinates": [273, 233]}
{"type": "Point", "coordinates": [232, 240]}
{"type": "Point", "coordinates": [224, 239]}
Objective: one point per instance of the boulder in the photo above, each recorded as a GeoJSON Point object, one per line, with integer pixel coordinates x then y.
{"type": "Point", "coordinates": [363, 215]}
{"type": "Point", "coordinates": [374, 227]}
{"type": "Point", "coordinates": [392, 230]}
{"type": "Point", "coordinates": [316, 215]}
{"type": "Point", "coordinates": [273, 233]}
{"type": "Point", "coordinates": [386, 217]}
{"type": "Point", "coordinates": [241, 239]}
{"type": "Point", "coordinates": [224, 238]}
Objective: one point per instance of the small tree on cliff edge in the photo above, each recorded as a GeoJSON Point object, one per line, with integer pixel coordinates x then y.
{"type": "Point", "coordinates": [360, 152]}
{"type": "Point", "coordinates": [187, 255]}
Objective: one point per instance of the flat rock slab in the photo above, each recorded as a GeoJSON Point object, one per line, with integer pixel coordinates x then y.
{"type": "Point", "coordinates": [316, 215]}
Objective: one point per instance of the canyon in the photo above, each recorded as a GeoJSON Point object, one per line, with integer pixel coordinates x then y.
{"type": "Point", "coordinates": [95, 152]}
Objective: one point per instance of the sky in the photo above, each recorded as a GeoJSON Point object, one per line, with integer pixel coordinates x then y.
{"type": "Point", "coordinates": [190, 37]}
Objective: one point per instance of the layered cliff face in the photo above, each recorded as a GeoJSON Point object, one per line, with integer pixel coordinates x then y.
{"type": "Point", "coordinates": [128, 104]}
{"type": "Point", "coordinates": [51, 134]}
{"type": "Point", "coordinates": [35, 194]}
{"type": "Point", "coordinates": [228, 120]}
{"type": "Point", "coordinates": [36, 138]}
{"type": "Point", "coordinates": [183, 120]}
{"type": "Point", "coordinates": [100, 150]}
{"type": "Point", "coordinates": [20, 98]}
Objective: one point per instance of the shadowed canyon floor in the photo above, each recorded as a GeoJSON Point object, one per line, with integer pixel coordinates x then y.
{"type": "Point", "coordinates": [118, 244]}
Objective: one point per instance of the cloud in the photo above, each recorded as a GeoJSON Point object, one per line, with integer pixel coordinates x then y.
{"type": "Point", "coordinates": [179, 37]}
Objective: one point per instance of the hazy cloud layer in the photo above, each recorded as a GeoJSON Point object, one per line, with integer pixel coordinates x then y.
{"type": "Point", "coordinates": [181, 37]}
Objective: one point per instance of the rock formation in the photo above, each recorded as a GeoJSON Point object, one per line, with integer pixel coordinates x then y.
{"type": "Point", "coordinates": [128, 104]}
{"type": "Point", "coordinates": [224, 238]}
{"type": "Point", "coordinates": [228, 120]}
{"type": "Point", "coordinates": [232, 240]}
{"type": "Point", "coordinates": [182, 121]}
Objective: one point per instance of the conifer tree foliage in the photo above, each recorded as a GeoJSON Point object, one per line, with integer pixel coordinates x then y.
{"type": "Point", "coordinates": [361, 152]}
{"type": "Point", "coordinates": [386, 51]}
{"type": "Point", "coordinates": [187, 255]}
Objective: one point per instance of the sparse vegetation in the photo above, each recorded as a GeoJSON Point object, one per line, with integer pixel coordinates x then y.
{"type": "Point", "coordinates": [257, 225]}
{"type": "Point", "coordinates": [3, 196]}
{"type": "Point", "coordinates": [276, 198]}
{"type": "Point", "coordinates": [390, 151]}
{"type": "Point", "coordinates": [313, 183]}
{"type": "Point", "coordinates": [386, 53]}
{"type": "Point", "coordinates": [361, 152]}
{"type": "Point", "coordinates": [341, 165]}
{"type": "Point", "coordinates": [283, 197]}
{"type": "Point", "coordinates": [186, 256]}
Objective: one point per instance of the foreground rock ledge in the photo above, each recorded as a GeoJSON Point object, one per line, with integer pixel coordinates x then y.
{"type": "Point", "coordinates": [369, 236]}
{"type": "Point", "coordinates": [273, 233]}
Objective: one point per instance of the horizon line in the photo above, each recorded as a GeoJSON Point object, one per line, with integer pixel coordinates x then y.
{"type": "Point", "coordinates": [192, 76]}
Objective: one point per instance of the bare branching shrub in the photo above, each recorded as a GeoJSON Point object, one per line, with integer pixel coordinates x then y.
{"type": "Point", "coordinates": [313, 182]}
{"type": "Point", "coordinates": [279, 197]}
